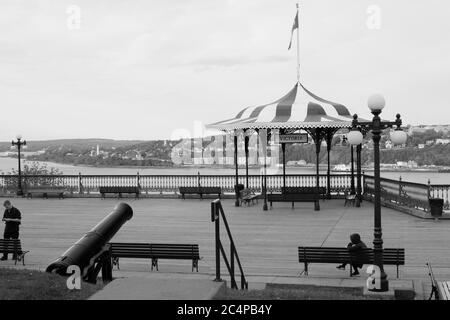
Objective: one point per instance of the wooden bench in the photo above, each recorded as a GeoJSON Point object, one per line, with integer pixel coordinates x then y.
{"type": "Point", "coordinates": [200, 191]}
{"type": "Point", "coordinates": [15, 247]}
{"type": "Point", "coordinates": [440, 289]}
{"type": "Point", "coordinates": [297, 194]}
{"type": "Point", "coordinates": [155, 251]}
{"type": "Point", "coordinates": [247, 196]}
{"type": "Point", "coordinates": [46, 191]}
{"type": "Point", "coordinates": [118, 190]}
{"type": "Point", "coordinates": [307, 255]}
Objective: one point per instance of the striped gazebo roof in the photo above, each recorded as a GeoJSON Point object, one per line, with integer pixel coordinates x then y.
{"type": "Point", "coordinates": [298, 109]}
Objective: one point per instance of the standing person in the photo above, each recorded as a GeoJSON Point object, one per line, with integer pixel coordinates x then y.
{"type": "Point", "coordinates": [12, 219]}
{"type": "Point", "coordinates": [354, 246]}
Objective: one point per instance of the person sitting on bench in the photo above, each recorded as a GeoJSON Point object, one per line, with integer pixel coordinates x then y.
{"type": "Point", "coordinates": [354, 246]}
{"type": "Point", "coordinates": [12, 219]}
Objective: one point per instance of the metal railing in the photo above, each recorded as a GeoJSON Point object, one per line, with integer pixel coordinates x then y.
{"type": "Point", "coordinates": [403, 193]}
{"type": "Point", "coordinates": [216, 213]}
{"type": "Point", "coordinates": [339, 183]}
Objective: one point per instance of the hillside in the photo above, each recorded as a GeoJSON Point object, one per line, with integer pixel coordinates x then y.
{"type": "Point", "coordinates": [35, 145]}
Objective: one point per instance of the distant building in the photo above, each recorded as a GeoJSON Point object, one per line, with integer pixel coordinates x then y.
{"type": "Point", "coordinates": [412, 164]}
{"type": "Point", "coordinates": [421, 145]}
{"type": "Point", "coordinates": [429, 142]}
{"type": "Point", "coordinates": [402, 164]}
{"type": "Point", "coordinates": [442, 141]}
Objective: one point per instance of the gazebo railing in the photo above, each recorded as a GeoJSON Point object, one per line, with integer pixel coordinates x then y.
{"type": "Point", "coordinates": [441, 191]}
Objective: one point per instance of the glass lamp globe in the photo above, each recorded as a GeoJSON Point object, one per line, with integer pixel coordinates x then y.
{"type": "Point", "coordinates": [19, 136]}
{"type": "Point", "coordinates": [398, 137]}
{"type": "Point", "coordinates": [354, 137]}
{"type": "Point", "coordinates": [376, 102]}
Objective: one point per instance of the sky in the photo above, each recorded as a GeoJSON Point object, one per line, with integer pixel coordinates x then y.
{"type": "Point", "coordinates": [151, 69]}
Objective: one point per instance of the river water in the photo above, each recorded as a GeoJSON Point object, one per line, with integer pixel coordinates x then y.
{"type": "Point", "coordinates": [7, 164]}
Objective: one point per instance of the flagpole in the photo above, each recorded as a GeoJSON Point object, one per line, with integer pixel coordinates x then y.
{"type": "Point", "coordinates": [298, 46]}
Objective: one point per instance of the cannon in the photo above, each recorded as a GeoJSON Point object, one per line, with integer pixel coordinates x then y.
{"type": "Point", "coordinates": [91, 252]}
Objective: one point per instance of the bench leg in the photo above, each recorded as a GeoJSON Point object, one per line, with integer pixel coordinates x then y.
{"type": "Point", "coordinates": [306, 268]}
{"type": "Point", "coordinates": [292, 205]}
{"type": "Point", "coordinates": [194, 265]}
{"type": "Point", "coordinates": [115, 262]}
{"type": "Point", "coordinates": [397, 271]}
{"type": "Point", "coordinates": [155, 263]}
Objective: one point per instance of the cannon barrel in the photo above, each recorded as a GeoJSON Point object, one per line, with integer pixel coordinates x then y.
{"type": "Point", "coordinates": [92, 242]}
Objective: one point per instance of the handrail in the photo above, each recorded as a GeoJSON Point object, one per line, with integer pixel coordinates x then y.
{"type": "Point", "coordinates": [216, 212]}
{"type": "Point", "coordinates": [170, 183]}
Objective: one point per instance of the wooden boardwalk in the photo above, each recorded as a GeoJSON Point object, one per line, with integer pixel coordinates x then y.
{"type": "Point", "coordinates": [266, 241]}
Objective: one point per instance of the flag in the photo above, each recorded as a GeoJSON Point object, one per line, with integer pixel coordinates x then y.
{"type": "Point", "coordinates": [294, 26]}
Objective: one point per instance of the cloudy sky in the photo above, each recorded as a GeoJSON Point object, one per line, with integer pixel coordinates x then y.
{"type": "Point", "coordinates": [146, 69]}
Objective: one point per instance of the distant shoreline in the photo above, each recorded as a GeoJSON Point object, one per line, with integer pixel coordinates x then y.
{"type": "Point", "coordinates": [307, 166]}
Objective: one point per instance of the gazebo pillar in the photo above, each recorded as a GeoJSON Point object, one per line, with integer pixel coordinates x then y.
{"type": "Point", "coordinates": [329, 141]}
{"type": "Point", "coordinates": [246, 138]}
{"type": "Point", "coordinates": [317, 140]}
{"type": "Point", "coordinates": [283, 149]}
{"type": "Point", "coordinates": [358, 176]}
{"type": "Point", "coordinates": [236, 191]}
{"type": "Point", "coordinates": [266, 132]}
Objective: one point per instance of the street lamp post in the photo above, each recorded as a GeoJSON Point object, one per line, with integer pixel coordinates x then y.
{"type": "Point", "coordinates": [19, 144]}
{"type": "Point", "coordinates": [376, 104]}
{"type": "Point", "coordinates": [352, 168]}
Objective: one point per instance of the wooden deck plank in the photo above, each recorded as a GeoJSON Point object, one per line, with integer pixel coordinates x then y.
{"type": "Point", "coordinates": [266, 241]}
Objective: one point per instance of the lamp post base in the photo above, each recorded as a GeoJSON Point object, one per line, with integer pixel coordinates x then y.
{"type": "Point", "coordinates": [265, 208]}
{"type": "Point", "coordinates": [384, 295]}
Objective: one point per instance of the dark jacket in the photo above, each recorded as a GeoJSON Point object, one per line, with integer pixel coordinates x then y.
{"type": "Point", "coordinates": [355, 246]}
{"type": "Point", "coordinates": [12, 213]}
